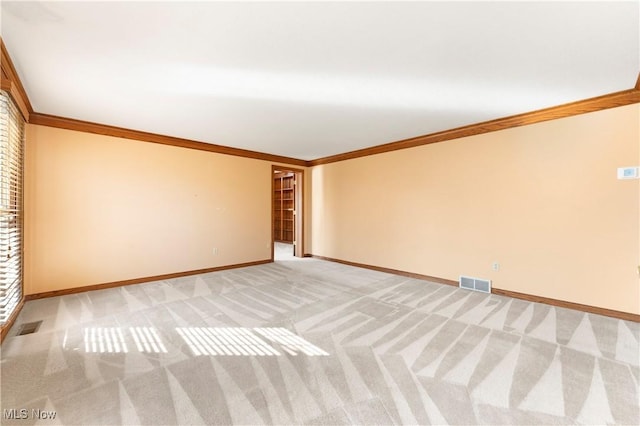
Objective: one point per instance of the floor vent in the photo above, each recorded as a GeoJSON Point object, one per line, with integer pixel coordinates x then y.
{"type": "Point", "coordinates": [28, 328]}
{"type": "Point", "coordinates": [475, 284]}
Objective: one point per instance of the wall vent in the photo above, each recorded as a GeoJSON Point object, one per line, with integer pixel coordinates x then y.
{"type": "Point", "coordinates": [475, 284]}
{"type": "Point", "coordinates": [28, 328]}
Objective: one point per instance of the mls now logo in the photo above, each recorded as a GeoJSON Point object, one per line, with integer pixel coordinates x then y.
{"type": "Point", "coordinates": [23, 414]}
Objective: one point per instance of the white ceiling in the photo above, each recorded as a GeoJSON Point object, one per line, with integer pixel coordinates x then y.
{"type": "Point", "coordinates": [308, 80]}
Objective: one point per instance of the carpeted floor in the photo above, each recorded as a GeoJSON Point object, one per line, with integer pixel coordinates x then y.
{"type": "Point", "coordinates": [313, 342]}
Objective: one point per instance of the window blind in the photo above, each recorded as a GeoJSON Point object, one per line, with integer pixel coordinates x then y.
{"type": "Point", "coordinates": [12, 128]}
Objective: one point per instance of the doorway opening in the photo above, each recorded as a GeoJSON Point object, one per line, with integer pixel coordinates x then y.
{"type": "Point", "coordinates": [287, 224]}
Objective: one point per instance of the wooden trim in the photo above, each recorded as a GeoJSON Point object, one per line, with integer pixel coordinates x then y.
{"type": "Point", "coordinates": [286, 168]}
{"type": "Point", "coordinates": [298, 223]}
{"type": "Point", "coordinates": [74, 290]}
{"type": "Point", "coordinates": [569, 305]}
{"type": "Point", "coordinates": [612, 100]}
{"type": "Point", "coordinates": [10, 71]}
{"type": "Point", "coordinates": [11, 88]}
{"type": "Point", "coordinates": [638, 82]}
{"type": "Point", "coordinates": [625, 97]}
{"type": "Point", "coordinates": [513, 294]}
{"type": "Point", "coordinates": [120, 132]}
{"type": "Point", "coordinates": [271, 215]}
{"type": "Point", "coordinates": [388, 270]}
{"type": "Point", "coordinates": [7, 327]}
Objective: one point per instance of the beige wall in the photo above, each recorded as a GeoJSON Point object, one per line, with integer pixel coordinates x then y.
{"type": "Point", "coordinates": [542, 200]}
{"type": "Point", "coordinates": [100, 209]}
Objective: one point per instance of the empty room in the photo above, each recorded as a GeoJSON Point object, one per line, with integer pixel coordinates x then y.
{"type": "Point", "coordinates": [340, 212]}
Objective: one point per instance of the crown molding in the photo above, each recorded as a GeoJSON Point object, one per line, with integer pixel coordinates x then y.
{"type": "Point", "coordinates": [12, 84]}
{"type": "Point", "coordinates": [612, 100]}
{"type": "Point", "coordinates": [120, 132]}
{"type": "Point", "coordinates": [10, 74]}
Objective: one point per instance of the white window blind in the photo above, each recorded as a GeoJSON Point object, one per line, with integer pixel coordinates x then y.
{"type": "Point", "coordinates": [11, 165]}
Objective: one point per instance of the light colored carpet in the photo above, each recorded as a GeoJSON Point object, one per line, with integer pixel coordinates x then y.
{"type": "Point", "coordinates": [309, 341]}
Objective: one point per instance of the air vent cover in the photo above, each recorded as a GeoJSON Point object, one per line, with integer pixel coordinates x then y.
{"type": "Point", "coordinates": [28, 328]}
{"type": "Point", "coordinates": [475, 284]}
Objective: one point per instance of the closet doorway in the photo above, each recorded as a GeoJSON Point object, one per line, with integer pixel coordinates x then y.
{"type": "Point", "coordinates": [287, 227]}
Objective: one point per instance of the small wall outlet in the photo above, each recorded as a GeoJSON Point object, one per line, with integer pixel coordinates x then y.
{"type": "Point", "coordinates": [215, 251]}
{"type": "Point", "coordinates": [495, 266]}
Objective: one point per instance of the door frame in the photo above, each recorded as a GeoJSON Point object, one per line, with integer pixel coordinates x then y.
{"type": "Point", "coordinates": [299, 209]}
